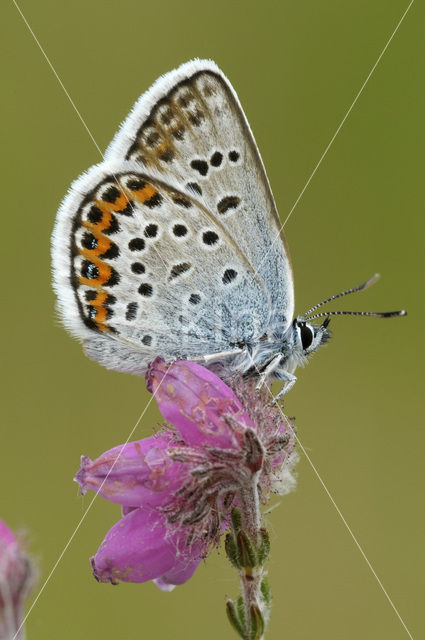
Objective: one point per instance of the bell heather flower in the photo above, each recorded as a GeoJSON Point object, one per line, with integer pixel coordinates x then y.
{"type": "Point", "coordinates": [177, 488]}
{"type": "Point", "coordinates": [16, 580]}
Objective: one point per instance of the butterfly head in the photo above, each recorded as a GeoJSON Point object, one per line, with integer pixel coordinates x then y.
{"type": "Point", "coordinates": [308, 337]}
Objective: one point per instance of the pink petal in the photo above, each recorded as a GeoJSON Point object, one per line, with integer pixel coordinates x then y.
{"type": "Point", "coordinates": [182, 571]}
{"type": "Point", "coordinates": [138, 549]}
{"type": "Point", "coordinates": [196, 402]}
{"type": "Point", "coordinates": [135, 474]}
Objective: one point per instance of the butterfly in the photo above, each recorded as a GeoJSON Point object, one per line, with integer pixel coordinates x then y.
{"type": "Point", "coordinates": [173, 246]}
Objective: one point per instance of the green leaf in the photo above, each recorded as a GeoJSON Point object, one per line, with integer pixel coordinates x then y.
{"type": "Point", "coordinates": [240, 604]}
{"type": "Point", "coordinates": [234, 619]}
{"type": "Point", "coordinates": [257, 622]}
{"type": "Point", "coordinates": [264, 546]}
{"type": "Point", "coordinates": [246, 550]}
{"type": "Point", "coordinates": [232, 550]}
{"type": "Point", "coordinates": [266, 592]}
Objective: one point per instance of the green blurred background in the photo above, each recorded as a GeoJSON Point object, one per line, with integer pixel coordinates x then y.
{"type": "Point", "coordinates": [297, 67]}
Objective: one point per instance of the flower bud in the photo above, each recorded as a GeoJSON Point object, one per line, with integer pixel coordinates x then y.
{"type": "Point", "coordinates": [16, 580]}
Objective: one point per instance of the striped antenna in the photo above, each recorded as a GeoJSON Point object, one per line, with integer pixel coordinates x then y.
{"type": "Point", "coordinates": [360, 287]}
{"type": "Point", "coordinates": [375, 314]}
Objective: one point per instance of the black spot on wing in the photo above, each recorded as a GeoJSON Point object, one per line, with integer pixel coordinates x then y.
{"type": "Point", "coordinates": [138, 267]}
{"type": "Point", "coordinates": [131, 311]}
{"type": "Point", "coordinates": [114, 278]}
{"type": "Point", "coordinates": [113, 226]}
{"type": "Point", "coordinates": [136, 184]}
{"type": "Point", "coordinates": [227, 203]}
{"type": "Point", "coordinates": [136, 244]}
{"type": "Point", "coordinates": [91, 311]}
{"type": "Point", "coordinates": [111, 253]}
{"type": "Point", "coordinates": [128, 209]}
{"type": "Point", "coordinates": [229, 275]}
{"type": "Point", "coordinates": [111, 194]}
{"type": "Point", "coordinates": [146, 290]}
{"type": "Point", "coordinates": [151, 231]}
{"type": "Point", "coordinates": [200, 166]}
{"type": "Point", "coordinates": [94, 215]}
{"type": "Point", "coordinates": [178, 269]}
{"type": "Point", "coordinates": [89, 270]}
{"type": "Point", "coordinates": [179, 230]}
{"type": "Point", "coordinates": [216, 159]}
{"type": "Point", "coordinates": [210, 238]}
{"type": "Point", "coordinates": [154, 201]}
{"type": "Point", "coordinates": [89, 241]}
{"type": "Point", "coordinates": [193, 186]}
{"type": "Point", "coordinates": [90, 295]}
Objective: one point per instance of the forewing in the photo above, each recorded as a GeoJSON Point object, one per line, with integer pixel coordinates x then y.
{"type": "Point", "coordinates": [142, 269]}
{"type": "Point", "coordinates": [191, 127]}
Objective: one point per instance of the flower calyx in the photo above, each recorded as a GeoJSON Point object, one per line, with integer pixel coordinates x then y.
{"type": "Point", "coordinates": [237, 618]}
{"type": "Point", "coordinates": [243, 552]}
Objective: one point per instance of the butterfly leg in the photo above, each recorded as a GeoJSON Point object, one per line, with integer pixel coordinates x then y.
{"type": "Point", "coordinates": [268, 371]}
{"type": "Point", "coordinates": [213, 357]}
{"type": "Point", "coordinates": [289, 381]}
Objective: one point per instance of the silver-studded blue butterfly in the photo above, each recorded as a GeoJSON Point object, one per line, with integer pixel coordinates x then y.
{"type": "Point", "coordinates": [172, 246]}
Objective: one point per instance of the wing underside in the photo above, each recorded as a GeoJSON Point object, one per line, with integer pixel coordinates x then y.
{"type": "Point", "coordinates": [169, 247]}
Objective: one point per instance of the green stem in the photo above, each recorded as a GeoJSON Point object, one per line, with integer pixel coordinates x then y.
{"type": "Point", "coordinates": [252, 576]}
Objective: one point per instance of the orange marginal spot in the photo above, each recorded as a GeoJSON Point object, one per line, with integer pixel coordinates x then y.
{"type": "Point", "coordinates": [103, 244]}
{"type": "Point", "coordinates": [101, 315]}
{"type": "Point", "coordinates": [100, 298]}
{"type": "Point", "coordinates": [101, 310]}
{"type": "Point", "coordinates": [148, 191]}
{"type": "Point", "coordinates": [104, 223]}
{"type": "Point", "coordinates": [120, 203]}
{"type": "Point", "coordinates": [104, 273]}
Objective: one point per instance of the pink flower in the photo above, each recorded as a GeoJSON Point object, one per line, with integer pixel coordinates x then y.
{"type": "Point", "coordinates": [178, 486]}
{"type": "Point", "coordinates": [16, 580]}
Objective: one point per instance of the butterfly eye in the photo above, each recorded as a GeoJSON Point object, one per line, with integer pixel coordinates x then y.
{"type": "Point", "coordinates": [307, 335]}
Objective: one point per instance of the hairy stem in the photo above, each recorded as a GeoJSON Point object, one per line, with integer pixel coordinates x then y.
{"type": "Point", "coordinates": [251, 576]}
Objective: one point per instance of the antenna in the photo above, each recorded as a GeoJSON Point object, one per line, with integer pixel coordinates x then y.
{"type": "Point", "coordinates": [374, 314]}
{"type": "Point", "coordinates": [360, 287]}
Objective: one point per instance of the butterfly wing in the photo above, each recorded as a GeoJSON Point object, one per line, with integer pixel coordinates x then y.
{"type": "Point", "coordinates": [191, 127]}
{"type": "Point", "coordinates": [169, 246]}
{"type": "Point", "coordinates": [145, 270]}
